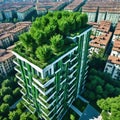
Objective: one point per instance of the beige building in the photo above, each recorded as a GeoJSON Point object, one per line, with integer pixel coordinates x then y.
{"type": "Point", "coordinates": [74, 6]}
{"type": "Point", "coordinates": [99, 42]}
{"type": "Point", "coordinates": [100, 28]}
{"type": "Point", "coordinates": [91, 12]}
{"type": "Point", "coordinates": [113, 64]}
{"type": "Point", "coordinates": [6, 61]}
{"type": "Point", "coordinates": [23, 12]}
{"type": "Point", "coordinates": [116, 34]}
{"type": "Point", "coordinates": [6, 40]}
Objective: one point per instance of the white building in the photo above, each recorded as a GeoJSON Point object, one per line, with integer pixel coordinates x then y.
{"type": "Point", "coordinates": [113, 64]}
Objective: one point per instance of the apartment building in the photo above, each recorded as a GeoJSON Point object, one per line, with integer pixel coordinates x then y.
{"type": "Point", "coordinates": [41, 11]}
{"type": "Point", "coordinates": [23, 12]}
{"type": "Point", "coordinates": [100, 28]}
{"type": "Point", "coordinates": [99, 42]}
{"type": "Point", "coordinates": [50, 90]}
{"type": "Point", "coordinates": [113, 63]}
{"type": "Point", "coordinates": [116, 34]}
{"type": "Point", "coordinates": [6, 61]}
{"type": "Point", "coordinates": [1, 16]}
{"type": "Point", "coordinates": [101, 14]}
{"type": "Point", "coordinates": [20, 28]}
{"type": "Point", "coordinates": [74, 6]}
{"type": "Point", "coordinates": [8, 13]}
{"type": "Point", "coordinates": [106, 10]}
{"type": "Point", "coordinates": [10, 32]}
{"type": "Point", "coordinates": [91, 12]}
{"type": "Point", "coordinates": [6, 40]}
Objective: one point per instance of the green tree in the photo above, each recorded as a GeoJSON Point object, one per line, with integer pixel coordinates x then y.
{"type": "Point", "coordinates": [4, 109]}
{"type": "Point", "coordinates": [6, 83]}
{"type": "Point", "coordinates": [57, 43]}
{"type": "Point", "coordinates": [44, 53]}
{"type": "Point", "coordinates": [63, 26]}
{"type": "Point", "coordinates": [109, 88]}
{"type": "Point", "coordinates": [20, 106]}
{"type": "Point", "coordinates": [13, 115]}
{"type": "Point", "coordinates": [99, 89]}
{"type": "Point", "coordinates": [6, 90]}
{"type": "Point", "coordinates": [16, 92]}
{"type": "Point", "coordinates": [8, 99]}
{"type": "Point", "coordinates": [26, 38]}
{"type": "Point", "coordinates": [110, 108]}
{"type": "Point", "coordinates": [72, 117]}
{"type": "Point", "coordinates": [25, 116]}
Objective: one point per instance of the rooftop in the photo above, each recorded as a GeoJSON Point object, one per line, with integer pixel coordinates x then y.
{"type": "Point", "coordinates": [114, 59]}
{"type": "Point", "coordinates": [103, 26]}
{"type": "Point", "coordinates": [25, 8]}
{"type": "Point", "coordinates": [6, 54]}
{"type": "Point", "coordinates": [47, 29]}
{"type": "Point", "coordinates": [111, 6]}
{"type": "Point", "coordinates": [116, 45]}
{"type": "Point", "coordinates": [74, 4]}
{"type": "Point", "coordinates": [117, 29]}
{"type": "Point", "coordinates": [100, 41]}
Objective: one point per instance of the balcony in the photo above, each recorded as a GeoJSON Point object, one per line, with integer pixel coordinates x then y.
{"type": "Point", "coordinates": [15, 62]}
{"type": "Point", "coordinates": [44, 82]}
{"type": "Point", "coordinates": [17, 68]}
{"type": "Point", "coordinates": [30, 108]}
{"type": "Point", "coordinates": [66, 59]}
{"type": "Point", "coordinates": [71, 81]}
{"type": "Point", "coordinates": [73, 57]}
{"type": "Point", "coordinates": [18, 75]}
{"type": "Point", "coordinates": [23, 91]}
{"type": "Point", "coordinates": [21, 83]}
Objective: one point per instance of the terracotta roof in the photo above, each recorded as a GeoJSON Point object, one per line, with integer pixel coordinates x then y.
{"type": "Point", "coordinates": [25, 8]}
{"type": "Point", "coordinates": [100, 41]}
{"type": "Point", "coordinates": [17, 29]}
{"type": "Point", "coordinates": [116, 45]}
{"type": "Point", "coordinates": [73, 5]}
{"type": "Point", "coordinates": [114, 59]}
{"type": "Point", "coordinates": [117, 29]}
{"type": "Point", "coordinates": [5, 36]}
{"type": "Point", "coordinates": [6, 56]}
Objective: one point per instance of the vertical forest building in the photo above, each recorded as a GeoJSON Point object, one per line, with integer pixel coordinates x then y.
{"type": "Point", "coordinates": [51, 63]}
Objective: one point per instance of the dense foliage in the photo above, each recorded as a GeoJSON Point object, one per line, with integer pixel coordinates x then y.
{"type": "Point", "coordinates": [99, 85]}
{"type": "Point", "coordinates": [50, 30]}
{"type": "Point", "coordinates": [110, 108]}
{"type": "Point", "coordinates": [9, 95]}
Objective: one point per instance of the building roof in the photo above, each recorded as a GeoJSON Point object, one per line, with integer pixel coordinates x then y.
{"type": "Point", "coordinates": [74, 5]}
{"type": "Point", "coordinates": [5, 36]}
{"type": "Point", "coordinates": [116, 45]}
{"type": "Point", "coordinates": [114, 59]}
{"type": "Point", "coordinates": [25, 8]}
{"type": "Point", "coordinates": [110, 7]}
{"type": "Point", "coordinates": [100, 41]}
{"type": "Point", "coordinates": [17, 29]}
{"type": "Point", "coordinates": [117, 29]}
{"type": "Point", "coordinates": [6, 56]}
{"type": "Point", "coordinates": [103, 26]}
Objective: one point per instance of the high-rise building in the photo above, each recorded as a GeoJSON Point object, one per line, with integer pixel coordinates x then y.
{"type": "Point", "coordinates": [51, 89]}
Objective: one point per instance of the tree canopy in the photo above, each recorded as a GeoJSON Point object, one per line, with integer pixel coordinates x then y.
{"type": "Point", "coordinates": [110, 108]}
{"type": "Point", "coordinates": [50, 30]}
